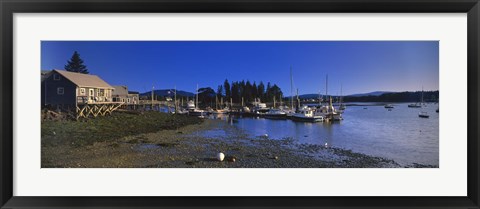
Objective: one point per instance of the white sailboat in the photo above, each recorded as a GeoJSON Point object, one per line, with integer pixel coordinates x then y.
{"type": "Point", "coordinates": [193, 107]}
{"type": "Point", "coordinates": [423, 114]}
{"type": "Point", "coordinates": [328, 111]}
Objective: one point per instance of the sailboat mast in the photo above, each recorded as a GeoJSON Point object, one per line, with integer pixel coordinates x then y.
{"type": "Point", "coordinates": [319, 99]}
{"type": "Point", "coordinates": [281, 99]}
{"type": "Point", "coordinates": [422, 96]}
{"type": "Point", "coordinates": [175, 99]}
{"type": "Point", "coordinates": [291, 88]}
{"type": "Point", "coordinates": [341, 94]}
{"type": "Point", "coordinates": [298, 103]}
{"type": "Point", "coordinates": [152, 96]}
{"type": "Point", "coordinates": [326, 87]}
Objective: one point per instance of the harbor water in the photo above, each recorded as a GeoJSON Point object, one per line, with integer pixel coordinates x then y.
{"type": "Point", "coordinates": [398, 134]}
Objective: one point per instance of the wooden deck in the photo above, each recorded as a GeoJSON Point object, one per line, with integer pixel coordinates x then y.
{"type": "Point", "coordinates": [96, 109]}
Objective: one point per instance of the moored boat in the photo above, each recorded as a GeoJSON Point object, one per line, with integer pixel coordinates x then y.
{"type": "Point", "coordinates": [306, 115]}
{"type": "Point", "coordinates": [389, 106]}
{"type": "Point", "coordinates": [423, 114]}
{"type": "Point", "coordinates": [275, 114]}
{"type": "Point", "coordinates": [415, 105]}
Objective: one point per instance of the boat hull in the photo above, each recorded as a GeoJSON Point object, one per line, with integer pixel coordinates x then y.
{"type": "Point", "coordinates": [195, 113]}
{"type": "Point", "coordinates": [275, 116]}
{"type": "Point", "coordinates": [307, 119]}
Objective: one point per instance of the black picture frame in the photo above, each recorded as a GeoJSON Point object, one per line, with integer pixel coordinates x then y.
{"type": "Point", "coordinates": [10, 7]}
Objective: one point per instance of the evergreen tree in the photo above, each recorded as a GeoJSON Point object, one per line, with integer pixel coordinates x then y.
{"type": "Point", "coordinates": [254, 90]}
{"type": "Point", "coordinates": [235, 94]}
{"type": "Point", "coordinates": [260, 90]}
{"type": "Point", "coordinates": [75, 64]}
{"type": "Point", "coordinates": [248, 91]}
{"type": "Point", "coordinates": [268, 97]}
{"type": "Point", "coordinates": [220, 91]}
{"type": "Point", "coordinates": [228, 91]}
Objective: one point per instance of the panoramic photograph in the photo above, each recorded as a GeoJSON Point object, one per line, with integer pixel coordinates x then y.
{"type": "Point", "coordinates": [239, 104]}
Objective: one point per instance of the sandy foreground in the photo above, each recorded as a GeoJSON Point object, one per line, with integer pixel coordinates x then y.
{"type": "Point", "coordinates": [196, 146]}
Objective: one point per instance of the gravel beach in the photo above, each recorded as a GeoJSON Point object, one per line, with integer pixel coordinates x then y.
{"type": "Point", "coordinates": [196, 145]}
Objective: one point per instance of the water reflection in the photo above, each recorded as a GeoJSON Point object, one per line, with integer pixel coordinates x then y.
{"type": "Point", "coordinates": [398, 134]}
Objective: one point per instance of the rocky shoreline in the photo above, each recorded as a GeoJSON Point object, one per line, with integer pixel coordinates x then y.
{"type": "Point", "coordinates": [188, 146]}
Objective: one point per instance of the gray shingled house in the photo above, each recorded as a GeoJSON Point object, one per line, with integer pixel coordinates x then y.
{"type": "Point", "coordinates": [64, 89]}
{"type": "Point", "coordinates": [121, 94]}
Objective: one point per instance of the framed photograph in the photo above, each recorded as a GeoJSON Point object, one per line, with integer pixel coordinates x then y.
{"type": "Point", "coordinates": [239, 104]}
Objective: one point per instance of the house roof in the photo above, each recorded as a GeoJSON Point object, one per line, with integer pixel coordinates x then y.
{"type": "Point", "coordinates": [84, 80]}
{"type": "Point", "coordinates": [120, 90]}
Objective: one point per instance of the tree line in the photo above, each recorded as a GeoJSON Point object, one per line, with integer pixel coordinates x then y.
{"type": "Point", "coordinates": [236, 90]}
{"type": "Point", "coordinates": [428, 96]}
{"type": "Point", "coordinates": [249, 91]}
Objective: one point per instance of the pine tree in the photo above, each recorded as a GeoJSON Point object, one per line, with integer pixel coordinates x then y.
{"type": "Point", "coordinates": [75, 64]}
{"type": "Point", "coordinates": [228, 92]}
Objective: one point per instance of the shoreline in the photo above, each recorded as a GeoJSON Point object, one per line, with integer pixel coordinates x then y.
{"type": "Point", "coordinates": [187, 146]}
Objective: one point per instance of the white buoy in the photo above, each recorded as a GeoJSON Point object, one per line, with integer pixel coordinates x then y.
{"type": "Point", "coordinates": [265, 135]}
{"type": "Point", "coordinates": [220, 156]}
{"type": "Point", "coordinates": [326, 144]}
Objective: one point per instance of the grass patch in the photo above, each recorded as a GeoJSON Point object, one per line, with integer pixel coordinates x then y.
{"type": "Point", "coordinates": [115, 126]}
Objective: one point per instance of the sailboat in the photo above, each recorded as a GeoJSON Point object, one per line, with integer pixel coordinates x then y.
{"type": "Point", "coordinates": [193, 108]}
{"type": "Point", "coordinates": [423, 114]}
{"type": "Point", "coordinates": [328, 111]}
{"type": "Point", "coordinates": [342, 106]}
{"type": "Point", "coordinates": [305, 114]}
{"type": "Point", "coordinates": [416, 105]}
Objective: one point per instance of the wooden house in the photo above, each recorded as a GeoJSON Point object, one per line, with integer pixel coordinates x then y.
{"type": "Point", "coordinates": [121, 94]}
{"type": "Point", "coordinates": [64, 89]}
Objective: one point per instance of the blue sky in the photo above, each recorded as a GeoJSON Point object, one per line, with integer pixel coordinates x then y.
{"type": "Point", "coordinates": [358, 66]}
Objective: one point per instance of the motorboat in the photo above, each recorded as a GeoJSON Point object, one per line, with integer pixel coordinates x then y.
{"type": "Point", "coordinates": [275, 114]}
{"type": "Point", "coordinates": [307, 115]}
{"type": "Point", "coordinates": [415, 105]}
{"type": "Point", "coordinates": [389, 106]}
{"type": "Point", "coordinates": [423, 114]}
{"type": "Point", "coordinates": [193, 111]}
{"type": "Point", "coordinates": [260, 107]}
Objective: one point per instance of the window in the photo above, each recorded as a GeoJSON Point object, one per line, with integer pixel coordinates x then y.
{"type": "Point", "coordinates": [101, 92]}
{"type": "Point", "coordinates": [60, 90]}
{"type": "Point", "coordinates": [82, 91]}
{"type": "Point", "coordinates": [56, 77]}
{"type": "Point", "coordinates": [128, 100]}
{"type": "Point", "coordinates": [123, 100]}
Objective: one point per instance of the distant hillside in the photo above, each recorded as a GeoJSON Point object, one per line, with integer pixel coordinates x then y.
{"type": "Point", "coordinates": [315, 96]}
{"type": "Point", "coordinates": [382, 96]}
{"type": "Point", "coordinates": [428, 96]}
{"type": "Point", "coordinates": [164, 93]}
{"type": "Point", "coordinates": [375, 93]}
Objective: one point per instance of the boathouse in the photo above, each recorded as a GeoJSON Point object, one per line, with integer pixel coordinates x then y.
{"type": "Point", "coordinates": [121, 94]}
{"type": "Point", "coordinates": [86, 94]}
{"type": "Point", "coordinates": [64, 88]}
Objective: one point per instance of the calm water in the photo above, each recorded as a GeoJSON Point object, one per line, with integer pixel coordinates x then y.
{"type": "Point", "coordinates": [398, 134]}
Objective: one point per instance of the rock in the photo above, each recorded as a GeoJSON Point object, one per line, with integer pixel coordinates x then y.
{"type": "Point", "coordinates": [265, 135]}
{"type": "Point", "coordinates": [232, 159]}
{"type": "Point", "coordinates": [220, 156]}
